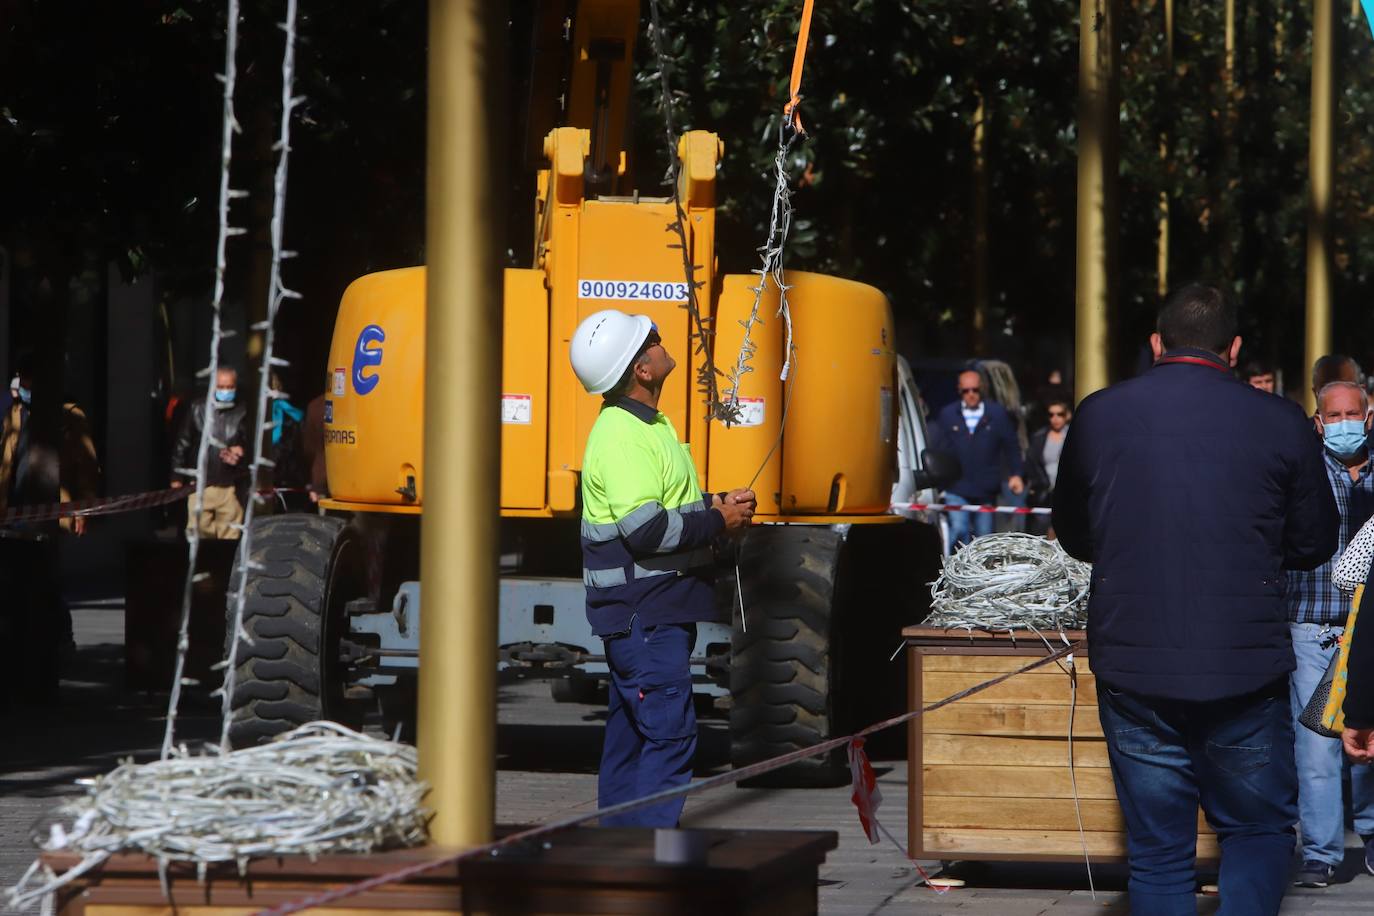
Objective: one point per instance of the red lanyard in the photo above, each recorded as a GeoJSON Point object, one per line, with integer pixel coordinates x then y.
{"type": "Point", "coordinates": [1191, 360]}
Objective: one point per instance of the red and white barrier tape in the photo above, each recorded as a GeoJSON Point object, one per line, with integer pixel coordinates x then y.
{"type": "Point", "coordinates": [104, 505]}
{"type": "Point", "coordinates": [1000, 510]}
{"type": "Point", "coordinates": [712, 782]}
{"type": "Point", "coordinates": [110, 505]}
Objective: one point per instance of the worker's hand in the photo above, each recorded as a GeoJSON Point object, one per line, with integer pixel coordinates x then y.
{"type": "Point", "coordinates": [1358, 744]}
{"type": "Point", "coordinates": [743, 497]}
{"type": "Point", "coordinates": [737, 515]}
{"type": "Point", "coordinates": [178, 484]}
{"type": "Point", "coordinates": [78, 525]}
{"type": "Point", "coordinates": [231, 455]}
{"type": "Point", "coordinates": [1016, 485]}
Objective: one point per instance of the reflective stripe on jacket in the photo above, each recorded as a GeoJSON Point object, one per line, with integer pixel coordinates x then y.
{"type": "Point", "coordinates": [646, 527]}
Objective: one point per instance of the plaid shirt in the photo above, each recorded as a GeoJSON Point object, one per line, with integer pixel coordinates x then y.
{"type": "Point", "coordinates": [1310, 596]}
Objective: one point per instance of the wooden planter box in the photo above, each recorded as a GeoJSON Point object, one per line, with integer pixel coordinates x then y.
{"type": "Point", "coordinates": [581, 871]}
{"type": "Point", "coordinates": [988, 775]}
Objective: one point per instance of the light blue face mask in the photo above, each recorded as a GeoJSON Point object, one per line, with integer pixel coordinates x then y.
{"type": "Point", "coordinates": [1344, 438]}
{"type": "Point", "coordinates": [25, 395]}
{"type": "Point", "coordinates": [224, 396]}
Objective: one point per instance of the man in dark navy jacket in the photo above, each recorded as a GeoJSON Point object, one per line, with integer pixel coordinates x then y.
{"type": "Point", "coordinates": [1190, 492]}
{"type": "Point", "coordinates": [982, 434]}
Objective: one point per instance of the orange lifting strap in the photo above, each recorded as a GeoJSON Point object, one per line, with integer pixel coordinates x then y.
{"type": "Point", "coordinates": [798, 60]}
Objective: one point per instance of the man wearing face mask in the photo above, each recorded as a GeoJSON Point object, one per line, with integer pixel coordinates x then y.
{"type": "Point", "coordinates": [1316, 615]}
{"type": "Point", "coordinates": [225, 469]}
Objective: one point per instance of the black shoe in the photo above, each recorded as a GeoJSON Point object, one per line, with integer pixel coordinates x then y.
{"type": "Point", "coordinates": [1314, 874]}
{"type": "Point", "coordinates": [1369, 854]}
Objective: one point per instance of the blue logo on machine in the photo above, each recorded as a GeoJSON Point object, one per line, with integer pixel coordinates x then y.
{"type": "Point", "coordinates": [365, 356]}
{"type": "Point", "coordinates": [329, 411]}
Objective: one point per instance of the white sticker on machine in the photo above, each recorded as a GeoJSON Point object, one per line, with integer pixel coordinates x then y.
{"type": "Point", "coordinates": [632, 290]}
{"type": "Point", "coordinates": [751, 411]}
{"type": "Point", "coordinates": [340, 383]}
{"type": "Point", "coordinates": [516, 408]}
{"type": "Point", "coordinates": [885, 413]}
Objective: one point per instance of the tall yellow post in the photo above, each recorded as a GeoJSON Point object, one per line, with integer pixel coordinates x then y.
{"type": "Point", "coordinates": [1319, 194]}
{"type": "Point", "coordinates": [458, 555]}
{"type": "Point", "coordinates": [980, 229]}
{"type": "Point", "coordinates": [1097, 167]}
{"type": "Point", "coordinates": [1162, 240]}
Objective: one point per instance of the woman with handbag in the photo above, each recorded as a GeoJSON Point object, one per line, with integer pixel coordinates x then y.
{"type": "Point", "coordinates": [1353, 571]}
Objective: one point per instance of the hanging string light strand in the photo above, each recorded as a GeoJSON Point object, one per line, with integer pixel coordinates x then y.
{"type": "Point", "coordinates": [228, 127]}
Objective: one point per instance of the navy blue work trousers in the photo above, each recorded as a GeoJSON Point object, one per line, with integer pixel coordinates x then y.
{"type": "Point", "coordinates": [651, 726]}
{"type": "Point", "coordinates": [1235, 757]}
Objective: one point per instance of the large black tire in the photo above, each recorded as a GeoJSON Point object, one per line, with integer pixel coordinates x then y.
{"type": "Point", "coordinates": [825, 612]}
{"type": "Point", "coordinates": [784, 667]}
{"type": "Point", "coordinates": [307, 568]}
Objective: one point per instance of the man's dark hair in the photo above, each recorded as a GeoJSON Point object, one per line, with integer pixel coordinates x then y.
{"type": "Point", "coordinates": [1256, 367]}
{"type": "Point", "coordinates": [1332, 368]}
{"type": "Point", "coordinates": [1197, 316]}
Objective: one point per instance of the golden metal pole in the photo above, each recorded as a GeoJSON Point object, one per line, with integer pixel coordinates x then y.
{"type": "Point", "coordinates": [1162, 249]}
{"type": "Point", "coordinates": [1318, 326]}
{"type": "Point", "coordinates": [1097, 168]}
{"type": "Point", "coordinates": [462, 461]}
{"type": "Point", "coordinates": [980, 230]}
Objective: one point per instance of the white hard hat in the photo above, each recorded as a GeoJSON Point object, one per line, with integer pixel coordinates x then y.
{"type": "Point", "coordinates": [603, 346]}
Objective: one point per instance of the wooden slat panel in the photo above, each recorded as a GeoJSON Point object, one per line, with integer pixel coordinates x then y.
{"type": "Point", "coordinates": [1040, 843]}
{"type": "Point", "coordinates": [1030, 843]}
{"type": "Point", "coordinates": [1022, 752]}
{"type": "Point", "coordinates": [998, 664]}
{"type": "Point", "coordinates": [999, 813]}
{"type": "Point", "coordinates": [1026, 782]}
{"type": "Point", "coordinates": [936, 685]}
{"type": "Point", "coordinates": [1011, 720]}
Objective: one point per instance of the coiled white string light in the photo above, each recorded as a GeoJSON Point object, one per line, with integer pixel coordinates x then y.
{"type": "Point", "coordinates": [320, 788]}
{"type": "Point", "coordinates": [1000, 583]}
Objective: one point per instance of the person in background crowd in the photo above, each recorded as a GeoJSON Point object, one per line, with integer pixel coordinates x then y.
{"type": "Point", "coordinates": [1042, 459]}
{"type": "Point", "coordinates": [225, 470]}
{"type": "Point", "coordinates": [1189, 492]}
{"type": "Point", "coordinates": [1258, 374]}
{"type": "Point", "coordinates": [1316, 615]}
{"type": "Point", "coordinates": [290, 458]}
{"type": "Point", "coordinates": [1334, 368]}
{"type": "Point", "coordinates": [1053, 389]}
{"type": "Point", "coordinates": [312, 445]}
{"type": "Point", "coordinates": [983, 435]}
{"type": "Point", "coordinates": [37, 471]}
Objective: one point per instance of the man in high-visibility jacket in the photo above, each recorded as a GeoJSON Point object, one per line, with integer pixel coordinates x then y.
{"type": "Point", "coordinates": [647, 534]}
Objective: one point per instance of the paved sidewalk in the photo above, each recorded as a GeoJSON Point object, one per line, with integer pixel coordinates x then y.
{"type": "Point", "coordinates": [547, 763]}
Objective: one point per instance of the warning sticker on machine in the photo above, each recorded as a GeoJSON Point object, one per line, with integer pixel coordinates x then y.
{"type": "Point", "coordinates": [751, 411]}
{"type": "Point", "coordinates": [516, 408]}
{"type": "Point", "coordinates": [340, 383]}
{"type": "Point", "coordinates": [885, 418]}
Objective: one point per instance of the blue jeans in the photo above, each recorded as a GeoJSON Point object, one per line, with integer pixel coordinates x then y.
{"type": "Point", "coordinates": [959, 522]}
{"type": "Point", "coordinates": [1235, 756]}
{"type": "Point", "coordinates": [651, 725]}
{"type": "Point", "coordinates": [1320, 760]}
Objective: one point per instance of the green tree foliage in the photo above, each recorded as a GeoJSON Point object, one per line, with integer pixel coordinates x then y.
{"type": "Point", "coordinates": [108, 142]}
{"type": "Point", "coordinates": [884, 184]}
